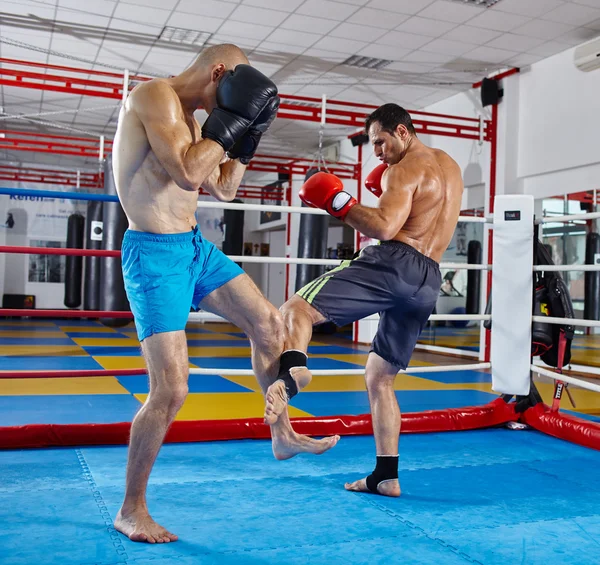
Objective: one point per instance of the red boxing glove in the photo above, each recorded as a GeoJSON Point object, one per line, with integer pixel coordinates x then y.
{"type": "Point", "coordinates": [326, 191]}
{"type": "Point", "coordinates": [373, 180]}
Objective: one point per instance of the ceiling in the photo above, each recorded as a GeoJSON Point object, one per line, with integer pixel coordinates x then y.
{"type": "Point", "coordinates": [436, 48]}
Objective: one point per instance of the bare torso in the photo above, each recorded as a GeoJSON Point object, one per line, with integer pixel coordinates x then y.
{"type": "Point", "coordinates": [436, 202]}
{"type": "Point", "coordinates": [151, 199]}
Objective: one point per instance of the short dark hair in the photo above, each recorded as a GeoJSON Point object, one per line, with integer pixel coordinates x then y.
{"type": "Point", "coordinates": [390, 116]}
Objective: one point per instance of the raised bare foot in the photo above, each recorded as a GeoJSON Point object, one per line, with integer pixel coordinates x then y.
{"type": "Point", "coordinates": [141, 527]}
{"type": "Point", "coordinates": [276, 399]}
{"type": "Point", "coordinates": [385, 488]}
{"type": "Point", "coordinates": [275, 402]}
{"type": "Point", "coordinates": [285, 447]}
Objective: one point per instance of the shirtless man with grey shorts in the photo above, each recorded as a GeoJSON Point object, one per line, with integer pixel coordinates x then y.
{"type": "Point", "coordinates": [420, 191]}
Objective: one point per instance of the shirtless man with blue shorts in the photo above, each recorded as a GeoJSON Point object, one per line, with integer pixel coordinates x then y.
{"type": "Point", "coordinates": [161, 158]}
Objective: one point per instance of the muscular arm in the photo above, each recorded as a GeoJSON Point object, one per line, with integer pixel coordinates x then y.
{"type": "Point", "coordinates": [189, 164]}
{"type": "Point", "coordinates": [393, 208]}
{"type": "Point", "coordinates": [224, 181]}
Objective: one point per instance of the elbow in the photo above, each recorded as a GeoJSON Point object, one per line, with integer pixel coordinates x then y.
{"type": "Point", "coordinates": [225, 196]}
{"type": "Point", "coordinates": [187, 183]}
{"type": "Point", "coordinates": [384, 234]}
{"type": "Point", "coordinates": [387, 231]}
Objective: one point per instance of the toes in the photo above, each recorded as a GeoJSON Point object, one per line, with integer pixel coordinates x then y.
{"type": "Point", "coordinates": [357, 486]}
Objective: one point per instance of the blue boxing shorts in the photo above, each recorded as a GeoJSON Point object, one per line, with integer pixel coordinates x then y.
{"type": "Point", "coordinates": [168, 274]}
{"type": "Point", "coordinates": [393, 279]}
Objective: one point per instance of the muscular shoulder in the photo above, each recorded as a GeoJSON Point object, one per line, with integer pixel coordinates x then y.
{"type": "Point", "coordinates": [152, 95]}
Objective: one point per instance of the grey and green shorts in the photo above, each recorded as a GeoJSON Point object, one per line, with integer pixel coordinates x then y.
{"type": "Point", "coordinates": [393, 279]}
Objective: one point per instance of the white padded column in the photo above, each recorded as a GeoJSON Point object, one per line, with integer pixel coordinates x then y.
{"type": "Point", "coordinates": [512, 293]}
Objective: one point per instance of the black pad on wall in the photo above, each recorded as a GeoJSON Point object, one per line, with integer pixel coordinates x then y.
{"type": "Point", "coordinates": [491, 93]}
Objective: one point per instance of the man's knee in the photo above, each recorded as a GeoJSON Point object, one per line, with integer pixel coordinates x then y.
{"type": "Point", "coordinates": [297, 306]}
{"type": "Point", "coordinates": [377, 381]}
{"type": "Point", "coordinates": [169, 399]}
{"type": "Point", "coordinates": [379, 374]}
{"type": "Point", "coordinates": [169, 391]}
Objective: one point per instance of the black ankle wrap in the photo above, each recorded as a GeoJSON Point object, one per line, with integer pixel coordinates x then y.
{"type": "Point", "coordinates": [385, 470]}
{"type": "Point", "coordinates": [290, 359]}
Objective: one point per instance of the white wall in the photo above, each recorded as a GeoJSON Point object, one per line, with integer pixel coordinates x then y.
{"type": "Point", "coordinates": [549, 121]}
{"type": "Point", "coordinates": [559, 117]}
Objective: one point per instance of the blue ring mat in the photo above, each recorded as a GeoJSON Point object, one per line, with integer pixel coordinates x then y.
{"type": "Point", "coordinates": [486, 496]}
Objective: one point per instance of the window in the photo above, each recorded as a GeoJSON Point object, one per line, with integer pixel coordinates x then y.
{"type": "Point", "coordinates": [47, 268]}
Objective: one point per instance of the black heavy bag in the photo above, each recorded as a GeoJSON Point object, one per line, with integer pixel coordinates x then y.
{"type": "Point", "coordinates": [541, 334]}
{"type": "Point", "coordinates": [312, 243]}
{"type": "Point", "coordinates": [233, 241]}
{"type": "Point", "coordinates": [559, 306]}
{"type": "Point", "coordinates": [112, 288]}
{"type": "Point", "coordinates": [93, 240]}
{"type": "Point", "coordinates": [74, 265]}
{"type": "Point", "coordinates": [551, 298]}
{"type": "Point", "coordinates": [473, 278]}
{"type": "Point", "coordinates": [591, 301]}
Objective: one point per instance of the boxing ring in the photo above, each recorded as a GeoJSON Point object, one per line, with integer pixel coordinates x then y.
{"type": "Point", "coordinates": [497, 492]}
{"type": "Point", "coordinates": [488, 494]}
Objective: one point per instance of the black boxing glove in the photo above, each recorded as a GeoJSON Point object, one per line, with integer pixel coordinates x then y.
{"type": "Point", "coordinates": [242, 95]}
{"type": "Point", "coordinates": [245, 148]}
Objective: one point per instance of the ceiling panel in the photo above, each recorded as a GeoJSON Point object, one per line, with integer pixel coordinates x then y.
{"type": "Point", "coordinates": [574, 14]}
{"type": "Point", "coordinates": [450, 11]}
{"type": "Point", "coordinates": [309, 24]}
{"type": "Point", "coordinates": [255, 15]}
{"type": "Point", "coordinates": [426, 26]}
{"type": "Point", "coordinates": [375, 18]}
{"type": "Point", "coordinates": [402, 6]}
{"type": "Point", "coordinates": [531, 8]}
{"type": "Point", "coordinates": [326, 9]}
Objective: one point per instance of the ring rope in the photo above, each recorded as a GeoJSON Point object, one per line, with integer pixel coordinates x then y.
{"type": "Point", "coordinates": [566, 379]}
{"type": "Point", "coordinates": [223, 372]}
{"type": "Point", "coordinates": [201, 203]}
{"type": "Point", "coordinates": [568, 218]}
{"type": "Point", "coordinates": [566, 267]}
{"type": "Point", "coordinates": [567, 321]}
{"type": "Point", "coordinates": [69, 251]}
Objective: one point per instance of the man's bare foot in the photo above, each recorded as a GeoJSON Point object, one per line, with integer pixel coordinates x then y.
{"type": "Point", "coordinates": [386, 488]}
{"type": "Point", "coordinates": [275, 402]}
{"type": "Point", "coordinates": [276, 398]}
{"type": "Point", "coordinates": [141, 527]}
{"type": "Point", "coordinates": [290, 445]}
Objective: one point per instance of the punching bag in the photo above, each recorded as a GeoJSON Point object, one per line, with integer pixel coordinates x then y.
{"type": "Point", "coordinates": [312, 243]}
{"type": "Point", "coordinates": [93, 240]}
{"type": "Point", "coordinates": [473, 277]}
{"type": "Point", "coordinates": [112, 288]}
{"type": "Point", "coordinates": [591, 301]}
{"type": "Point", "coordinates": [74, 265]}
{"type": "Point", "coordinates": [233, 241]}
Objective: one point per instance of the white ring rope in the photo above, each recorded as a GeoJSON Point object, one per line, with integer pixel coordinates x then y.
{"type": "Point", "coordinates": [566, 268]}
{"type": "Point", "coordinates": [336, 262]}
{"type": "Point", "coordinates": [448, 317]}
{"type": "Point", "coordinates": [572, 217]}
{"type": "Point", "coordinates": [574, 368]}
{"type": "Point", "coordinates": [567, 321]}
{"type": "Point", "coordinates": [564, 378]}
{"type": "Point", "coordinates": [210, 317]}
{"type": "Point", "coordinates": [332, 372]}
{"type": "Point", "coordinates": [297, 210]}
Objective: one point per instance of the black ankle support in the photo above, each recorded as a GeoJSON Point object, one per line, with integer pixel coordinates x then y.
{"type": "Point", "coordinates": [290, 359]}
{"type": "Point", "coordinates": [385, 470]}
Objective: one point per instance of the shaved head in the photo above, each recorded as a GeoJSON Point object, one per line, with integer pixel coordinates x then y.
{"type": "Point", "coordinates": [227, 53]}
